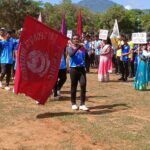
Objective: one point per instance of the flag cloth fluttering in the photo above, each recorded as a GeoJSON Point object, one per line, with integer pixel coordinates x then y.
{"type": "Point", "coordinates": [79, 25]}
{"type": "Point", "coordinates": [115, 35]}
{"type": "Point", "coordinates": [63, 26]}
{"type": "Point", "coordinates": [38, 60]}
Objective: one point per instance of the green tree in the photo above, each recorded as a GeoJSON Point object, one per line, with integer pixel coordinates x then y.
{"type": "Point", "coordinates": [146, 22]}
{"type": "Point", "coordinates": [13, 12]}
{"type": "Point", "coordinates": [107, 19]}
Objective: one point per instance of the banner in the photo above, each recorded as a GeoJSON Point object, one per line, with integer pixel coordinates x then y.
{"type": "Point", "coordinates": [115, 35]}
{"type": "Point", "coordinates": [38, 60]}
{"type": "Point", "coordinates": [69, 34]}
{"type": "Point", "coordinates": [115, 42]}
{"type": "Point", "coordinates": [139, 38]}
{"type": "Point", "coordinates": [63, 25]}
{"type": "Point", "coordinates": [103, 34]}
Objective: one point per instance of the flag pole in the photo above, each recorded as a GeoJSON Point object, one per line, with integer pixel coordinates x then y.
{"type": "Point", "coordinates": [79, 23]}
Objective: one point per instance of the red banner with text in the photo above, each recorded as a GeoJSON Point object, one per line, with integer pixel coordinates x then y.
{"type": "Point", "coordinates": [38, 60]}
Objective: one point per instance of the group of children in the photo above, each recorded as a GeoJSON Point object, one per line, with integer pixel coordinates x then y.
{"type": "Point", "coordinates": [133, 61]}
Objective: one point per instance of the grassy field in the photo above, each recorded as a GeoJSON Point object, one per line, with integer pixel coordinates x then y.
{"type": "Point", "coordinates": [119, 119]}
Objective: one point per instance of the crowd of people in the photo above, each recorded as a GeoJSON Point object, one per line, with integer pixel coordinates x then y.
{"type": "Point", "coordinates": [127, 60]}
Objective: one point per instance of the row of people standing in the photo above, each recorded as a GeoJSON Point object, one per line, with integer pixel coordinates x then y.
{"type": "Point", "coordinates": [125, 58]}
{"type": "Point", "coordinates": [105, 55]}
{"type": "Point", "coordinates": [77, 53]}
{"type": "Point", "coordinates": [133, 61]}
{"type": "Point", "coordinates": [93, 46]}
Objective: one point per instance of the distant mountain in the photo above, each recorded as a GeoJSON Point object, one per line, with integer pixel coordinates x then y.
{"type": "Point", "coordinates": [97, 5]}
{"type": "Point", "coordinates": [146, 11]}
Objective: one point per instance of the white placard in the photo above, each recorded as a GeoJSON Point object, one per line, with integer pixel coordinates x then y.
{"type": "Point", "coordinates": [103, 34]}
{"type": "Point", "coordinates": [69, 34]}
{"type": "Point", "coordinates": [139, 38]}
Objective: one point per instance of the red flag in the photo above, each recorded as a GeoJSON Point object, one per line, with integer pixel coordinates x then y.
{"type": "Point", "coordinates": [79, 25]}
{"type": "Point", "coordinates": [63, 26]}
{"type": "Point", "coordinates": [38, 60]}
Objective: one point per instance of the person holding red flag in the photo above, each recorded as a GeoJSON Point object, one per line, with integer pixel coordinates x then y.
{"type": "Point", "coordinates": [77, 54]}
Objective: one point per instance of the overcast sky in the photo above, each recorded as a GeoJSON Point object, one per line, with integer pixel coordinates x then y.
{"type": "Point", "coordinates": [141, 4]}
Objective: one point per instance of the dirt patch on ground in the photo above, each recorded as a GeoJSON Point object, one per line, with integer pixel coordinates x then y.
{"type": "Point", "coordinates": [118, 119]}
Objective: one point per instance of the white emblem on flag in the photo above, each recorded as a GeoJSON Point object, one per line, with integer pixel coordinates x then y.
{"type": "Point", "coordinates": [38, 62]}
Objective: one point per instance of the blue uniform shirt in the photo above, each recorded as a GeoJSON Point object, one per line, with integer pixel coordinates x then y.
{"type": "Point", "coordinates": [16, 49]}
{"type": "Point", "coordinates": [6, 51]}
{"type": "Point", "coordinates": [125, 49]}
{"type": "Point", "coordinates": [16, 43]}
{"type": "Point", "coordinates": [87, 46]}
{"type": "Point", "coordinates": [135, 55]}
{"type": "Point", "coordinates": [63, 64]}
{"type": "Point", "coordinates": [78, 60]}
{"type": "Point", "coordinates": [97, 47]}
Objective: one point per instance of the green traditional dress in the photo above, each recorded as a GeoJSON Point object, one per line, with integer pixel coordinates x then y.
{"type": "Point", "coordinates": [142, 76]}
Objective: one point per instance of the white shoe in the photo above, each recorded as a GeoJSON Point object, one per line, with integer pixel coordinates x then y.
{"type": "Point", "coordinates": [7, 88]}
{"type": "Point", "coordinates": [56, 97]}
{"type": "Point", "coordinates": [83, 107]}
{"type": "Point", "coordinates": [74, 107]}
{"type": "Point", "coordinates": [1, 85]}
{"type": "Point", "coordinates": [37, 102]}
{"type": "Point", "coordinates": [58, 93]}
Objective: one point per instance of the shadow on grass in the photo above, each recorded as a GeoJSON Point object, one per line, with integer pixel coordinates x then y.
{"type": "Point", "coordinates": [68, 92]}
{"type": "Point", "coordinates": [145, 90]}
{"type": "Point", "coordinates": [128, 81]}
{"type": "Point", "coordinates": [97, 111]}
{"type": "Point", "coordinates": [109, 106]}
{"type": "Point", "coordinates": [91, 72]}
{"type": "Point", "coordinates": [68, 98]}
{"type": "Point", "coordinates": [96, 96]}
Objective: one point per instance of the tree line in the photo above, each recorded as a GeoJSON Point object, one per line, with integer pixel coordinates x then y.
{"type": "Point", "coordinates": [13, 12]}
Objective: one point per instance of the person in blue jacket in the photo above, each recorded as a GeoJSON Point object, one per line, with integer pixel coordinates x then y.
{"type": "Point", "coordinates": [125, 60]}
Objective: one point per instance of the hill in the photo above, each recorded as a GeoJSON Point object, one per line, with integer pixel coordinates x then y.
{"type": "Point", "coordinates": [96, 5]}
{"type": "Point", "coordinates": [146, 11]}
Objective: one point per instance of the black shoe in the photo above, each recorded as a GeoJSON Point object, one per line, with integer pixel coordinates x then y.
{"type": "Point", "coordinates": [121, 79]}
{"type": "Point", "coordinates": [125, 79]}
